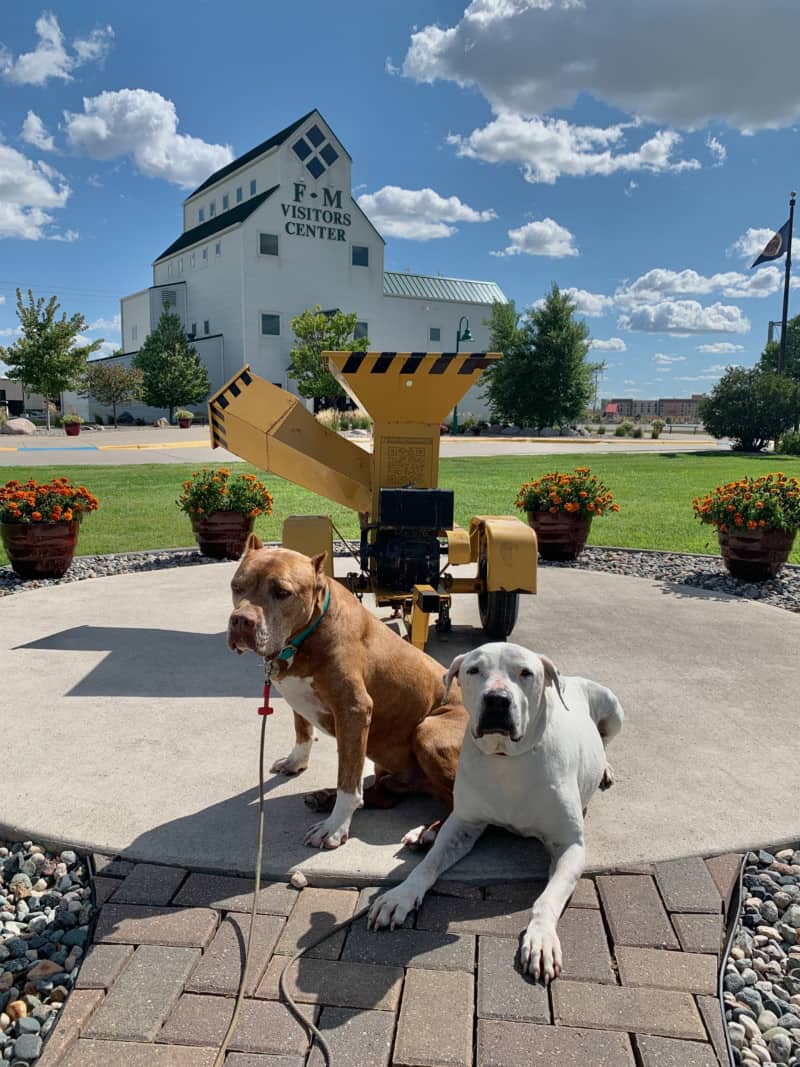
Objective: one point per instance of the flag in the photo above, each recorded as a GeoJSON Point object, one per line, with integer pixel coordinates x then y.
{"type": "Point", "coordinates": [775, 246]}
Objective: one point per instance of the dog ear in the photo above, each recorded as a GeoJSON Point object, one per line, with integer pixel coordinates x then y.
{"type": "Point", "coordinates": [254, 542]}
{"type": "Point", "coordinates": [318, 563]}
{"type": "Point", "coordinates": [452, 671]}
{"type": "Point", "coordinates": [552, 677]}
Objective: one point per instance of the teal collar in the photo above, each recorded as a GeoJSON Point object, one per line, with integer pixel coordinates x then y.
{"type": "Point", "coordinates": [287, 654]}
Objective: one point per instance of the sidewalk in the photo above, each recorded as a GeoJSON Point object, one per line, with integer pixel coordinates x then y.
{"type": "Point", "coordinates": [638, 988]}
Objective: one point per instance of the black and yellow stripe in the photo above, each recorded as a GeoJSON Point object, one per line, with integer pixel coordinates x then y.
{"type": "Point", "coordinates": [410, 363]}
{"type": "Point", "coordinates": [220, 401]}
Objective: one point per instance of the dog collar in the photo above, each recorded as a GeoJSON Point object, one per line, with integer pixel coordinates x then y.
{"type": "Point", "coordinates": [287, 654]}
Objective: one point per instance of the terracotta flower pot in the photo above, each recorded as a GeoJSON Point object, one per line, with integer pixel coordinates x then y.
{"type": "Point", "coordinates": [222, 534]}
{"type": "Point", "coordinates": [184, 423]}
{"type": "Point", "coordinates": [561, 536]}
{"type": "Point", "coordinates": [755, 555]}
{"type": "Point", "coordinates": [40, 549]}
{"type": "Point", "coordinates": [72, 429]}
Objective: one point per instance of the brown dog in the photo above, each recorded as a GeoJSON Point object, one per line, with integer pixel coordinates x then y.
{"type": "Point", "coordinates": [352, 677]}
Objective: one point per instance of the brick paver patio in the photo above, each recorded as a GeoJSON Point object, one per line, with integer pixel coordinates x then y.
{"type": "Point", "coordinates": [640, 947]}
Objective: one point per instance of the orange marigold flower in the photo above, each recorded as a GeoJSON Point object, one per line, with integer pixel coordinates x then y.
{"type": "Point", "coordinates": [751, 524]}
{"type": "Point", "coordinates": [68, 515]}
{"type": "Point", "coordinates": [37, 516]}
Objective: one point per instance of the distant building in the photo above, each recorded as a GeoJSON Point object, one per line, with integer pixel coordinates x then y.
{"type": "Point", "coordinates": [14, 402]}
{"type": "Point", "coordinates": [676, 409]}
{"type": "Point", "coordinates": [278, 231]}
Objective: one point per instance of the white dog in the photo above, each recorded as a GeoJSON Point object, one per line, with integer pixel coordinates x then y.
{"type": "Point", "coordinates": [554, 730]}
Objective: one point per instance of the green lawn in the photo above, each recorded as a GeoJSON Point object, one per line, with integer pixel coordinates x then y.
{"type": "Point", "coordinates": [654, 491]}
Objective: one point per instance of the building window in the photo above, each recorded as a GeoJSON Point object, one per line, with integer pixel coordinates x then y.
{"type": "Point", "coordinates": [271, 325]}
{"type": "Point", "coordinates": [225, 202]}
{"type": "Point", "coordinates": [253, 187]}
{"type": "Point", "coordinates": [193, 260]}
{"type": "Point", "coordinates": [360, 331]}
{"type": "Point", "coordinates": [194, 329]}
{"type": "Point", "coordinates": [169, 298]}
{"type": "Point", "coordinates": [218, 248]}
{"type": "Point", "coordinates": [360, 256]}
{"type": "Point", "coordinates": [204, 255]}
{"type": "Point", "coordinates": [239, 195]}
{"type": "Point", "coordinates": [180, 265]}
{"type": "Point", "coordinates": [206, 327]}
{"type": "Point", "coordinates": [134, 333]}
{"type": "Point", "coordinates": [435, 333]}
{"type": "Point", "coordinates": [212, 209]}
{"type": "Point", "coordinates": [268, 244]}
{"type": "Point", "coordinates": [169, 269]}
{"type": "Point", "coordinates": [201, 215]}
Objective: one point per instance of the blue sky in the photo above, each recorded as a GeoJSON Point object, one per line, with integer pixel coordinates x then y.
{"type": "Point", "coordinates": [638, 152]}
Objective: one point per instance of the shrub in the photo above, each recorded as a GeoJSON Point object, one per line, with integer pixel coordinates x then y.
{"type": "Point", "coordinates": [656, 426]}
{"type": "Point", "coordinates": [54, 501]}
{"type": "Point", "coordinates": [601, 429]}
{"type": "Point", "coordinates": [789, 444]}
{"type": "Point", "coordinates": [771, 501]}
{"type": "Point", "coordinates": [215, 490]}
{"type": "Point", "coordinates": [71, 419]}
{"type": "Point", "coordinates": [182, 413]}
{"type": "Point", "coordinates": [750, 405]}
{"type": "Point", "coordinates": [581, 492]}
{"type": "Point", "coordinates": [330, 418]}
{"type": "Point", "coordinates": [637, 431]}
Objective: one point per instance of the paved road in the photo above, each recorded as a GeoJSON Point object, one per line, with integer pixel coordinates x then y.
{"type": "Point", "coordinates": [171, 445]}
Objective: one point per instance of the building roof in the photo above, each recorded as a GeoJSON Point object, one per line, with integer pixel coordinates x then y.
{"type": "Point", "coordinates": [219, 222]}
{"type": "Point", "coordinates": [248, 157]}
{"type": "Point", "coordinates": [432, 287]}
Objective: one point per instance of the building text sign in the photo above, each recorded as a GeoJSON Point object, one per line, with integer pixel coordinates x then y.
{"type": "Point", "coordinates": [324, 221]}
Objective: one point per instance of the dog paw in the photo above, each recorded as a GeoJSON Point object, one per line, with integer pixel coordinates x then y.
{"type": "Point", "coordinates": [288, 765]}
{"type": "Point", "coordinates": [422, 836]}
{"type": "Point", "coordinates": [320, 800]}
{"type": "Point", "coordinates": [540, 953]}
{"type": "Point", "coordinates": [391, 908]}
{"type": "Point", "coordinates": [326, 834]}
{"type": "Point", "coordinates": [608, 778]}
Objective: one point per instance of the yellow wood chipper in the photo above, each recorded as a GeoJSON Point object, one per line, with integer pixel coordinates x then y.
{"type": "Point", "coordinates": [407, 522]}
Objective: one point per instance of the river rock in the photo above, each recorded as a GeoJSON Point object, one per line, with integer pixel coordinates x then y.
{"type": "Point", "coordinates": [18, 426]}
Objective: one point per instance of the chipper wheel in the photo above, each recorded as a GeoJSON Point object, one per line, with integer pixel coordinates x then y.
{"type": "Point", "coordinates": [498, 610]}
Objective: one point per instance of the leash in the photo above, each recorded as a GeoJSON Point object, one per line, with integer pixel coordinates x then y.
{"type": "Point", "coordinates": [313, 1033]}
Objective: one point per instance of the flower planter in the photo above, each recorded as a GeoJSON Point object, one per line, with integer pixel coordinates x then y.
{"type": "Point", "coordinates": [222, 534]}
{"type": "Point", "coordinates": [755, 555]}
{"type": "Point", "coordinates": [561, 536]}
{"type": "Point", "coordinates": [184, 423]}
{"type": "Point", "coordinates": [72, 429]}
{"type": "Point", "coordinates": [40, 549]}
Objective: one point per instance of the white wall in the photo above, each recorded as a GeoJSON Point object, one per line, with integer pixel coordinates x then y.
{"type": "Point", "coordinates": [135, 314]}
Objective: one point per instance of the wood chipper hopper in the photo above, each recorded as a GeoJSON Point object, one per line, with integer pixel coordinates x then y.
{"type": "Point", "coordinates": [407, 523]}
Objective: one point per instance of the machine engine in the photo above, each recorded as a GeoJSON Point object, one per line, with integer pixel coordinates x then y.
{"type": "Point", "coordinates": [405, 547]}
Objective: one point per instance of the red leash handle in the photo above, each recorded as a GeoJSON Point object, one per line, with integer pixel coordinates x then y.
{"type": "Point", "coordinates": [265, 709]}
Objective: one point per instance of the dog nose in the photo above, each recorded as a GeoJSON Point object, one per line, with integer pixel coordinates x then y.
{"type": "Point", "coordinates": [240, 621]}
{"type": "Point", "coordinates": [495, 715]}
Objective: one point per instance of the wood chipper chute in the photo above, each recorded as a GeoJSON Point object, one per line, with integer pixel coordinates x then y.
{"type": "Point", "coordinates": [407, 522]}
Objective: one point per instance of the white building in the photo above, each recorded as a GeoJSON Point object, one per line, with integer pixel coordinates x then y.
{"type": "Point", "coordinates": [278, 231]}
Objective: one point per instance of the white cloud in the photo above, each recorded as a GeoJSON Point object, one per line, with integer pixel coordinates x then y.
{"type": "Point", "coordinates": [631, 187]}
{"type": "Point", "coordinates": [717, 150]}
{"type": "Point", "coordinates": [548, 149]}
{"type": "Point", "coordinates": [659, 283]}
{"type": "Point", "coordinates": [661, 60]}
{"type": "Point", "coordinates": [541, 238]}
{"type": "Point", "coordinates": [751, 243]}
{"type": "Point", "coordinates": [51, 58]}
{"type": "Point", "coordinates": [664, 359]}
{"type": "Point", "coordinates": [613, 344]}
{"type": "Point", "coordinates": [106, 324]}
{"type": "Point", "coordinates": [391, 68]}
{"type": "Point", "coordinates": [721, 348]}
{"type": "Point", "coordinates": [27, 191]}
{"type": "Point", "coordinates": [593, 305]}
{"type": "Point", "coordinates": [144, 125]}
{"type": "Point", "coordinates": [34, 132]}
{"type": "Point", "coordinates": [418, 214]}
{"type": "Point", "coordinates": [685, 317]}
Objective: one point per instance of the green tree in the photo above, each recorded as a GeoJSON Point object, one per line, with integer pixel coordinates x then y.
{"type": "Point", "coordinates": [46, 359]}
{"type": "Point", "coordinates": [751, 405]}
{"type": "Point", "coordinates": [791, 364]}
{"type": "Point", "coordinates": [318, 331]}
{"type": "Point", "coordinates": [112, 384]}
{"type": "Point", "coordinates": [544, 377]}
{"type": "Point", "coordinates": [172, 373]}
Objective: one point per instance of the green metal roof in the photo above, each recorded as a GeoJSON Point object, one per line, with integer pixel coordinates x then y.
{"type": "Point", "coordinates": [432, 287]}
{"type": "Point", "coordinates": [222, 221]}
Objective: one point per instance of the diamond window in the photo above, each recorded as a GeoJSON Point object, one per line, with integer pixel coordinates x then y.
{"type": "Point", "coordinates": [301, 149]}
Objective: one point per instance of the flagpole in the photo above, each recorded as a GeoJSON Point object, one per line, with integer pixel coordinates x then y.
{"type": "Point", "coordinates": [782, 352]}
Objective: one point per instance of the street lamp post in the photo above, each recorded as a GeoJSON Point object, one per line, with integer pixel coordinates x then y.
{"type": "Point", "coordinates": [461, 335]}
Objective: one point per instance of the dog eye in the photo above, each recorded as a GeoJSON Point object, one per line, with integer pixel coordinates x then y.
{"type": "Point", "coordinates": [472, 670]}
{"type": "Point", "coordinates": [281, 592]}
{"type": "Point", "coordinates": [526, 672]}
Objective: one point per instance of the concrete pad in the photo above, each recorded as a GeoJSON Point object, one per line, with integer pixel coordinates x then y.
{"type": "Point", "coordinates": [125, 684]}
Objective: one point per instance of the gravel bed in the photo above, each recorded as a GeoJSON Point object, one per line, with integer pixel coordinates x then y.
{"type": "Point", "coordinates": [761, 984]}
{"type": "Point", "coordinates": [46, 911]}
{"type": "Point", "coordinates": [672, 568]}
